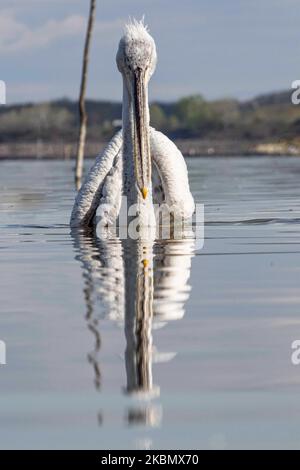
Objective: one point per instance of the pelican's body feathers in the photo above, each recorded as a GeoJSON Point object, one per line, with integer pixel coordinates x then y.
{"type": "Point", "coordinates": [103, 185]}
{"type": "Point", "coordinates": [102, 173]}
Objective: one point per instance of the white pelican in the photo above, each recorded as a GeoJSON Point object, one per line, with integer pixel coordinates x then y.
{"type": "Point", "coordinates": [138, 158]}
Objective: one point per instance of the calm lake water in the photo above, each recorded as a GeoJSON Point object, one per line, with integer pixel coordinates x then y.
{"type": "Point", "coordinates": [215, 360]}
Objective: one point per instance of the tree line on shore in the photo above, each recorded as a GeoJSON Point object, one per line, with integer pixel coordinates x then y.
{"type": "Point", "coordinates": [266, 118]}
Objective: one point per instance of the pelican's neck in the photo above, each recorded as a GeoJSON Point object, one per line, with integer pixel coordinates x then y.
{"type": "Point", "coordinates": [127, 109]}
{"type": "Point", "coordinates": [130, 189]}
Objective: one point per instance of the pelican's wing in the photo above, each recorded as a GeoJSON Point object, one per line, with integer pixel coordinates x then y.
{"type": "Point", "coordinates": [172, 170]}
{"type": "Point", "coordinates": [102, 185]}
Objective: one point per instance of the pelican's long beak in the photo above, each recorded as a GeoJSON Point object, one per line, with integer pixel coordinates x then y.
{"type": "Point", "coordinates": [142, 158]}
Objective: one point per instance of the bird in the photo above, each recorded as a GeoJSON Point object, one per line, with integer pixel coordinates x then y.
{"type": "Point", "coordinates": [139, 163]}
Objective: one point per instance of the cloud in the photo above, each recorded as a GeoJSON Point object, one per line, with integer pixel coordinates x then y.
{"type": "Point", "coordinates": [16, 36]}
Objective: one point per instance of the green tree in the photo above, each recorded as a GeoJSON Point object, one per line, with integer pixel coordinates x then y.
{"type": "Point", "coordinates": [195, 114]}
{"type": "Point", "coordinates": [157, 116]}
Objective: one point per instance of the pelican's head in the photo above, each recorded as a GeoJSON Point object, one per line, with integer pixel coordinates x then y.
{"type": "Point", "coordinates": [137, 51]}
{"type": "Point", "coordinates": [136, 60]}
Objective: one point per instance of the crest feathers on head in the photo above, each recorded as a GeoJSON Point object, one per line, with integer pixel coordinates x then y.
{"type": "Point", "coordinates": [135, 28]}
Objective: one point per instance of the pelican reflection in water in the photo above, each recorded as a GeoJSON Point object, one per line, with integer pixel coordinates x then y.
{"type": "Point", "coordinates": [142, 285]}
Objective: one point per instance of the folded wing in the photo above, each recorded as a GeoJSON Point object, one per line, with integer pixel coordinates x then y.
{"type": "Point", "coordinates": [172, 171]}
{"type": "Point", "coordinates": [102, 186]}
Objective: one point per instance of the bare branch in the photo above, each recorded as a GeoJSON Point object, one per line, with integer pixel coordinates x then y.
{"type": "Point", "coordinates": [82, 109]}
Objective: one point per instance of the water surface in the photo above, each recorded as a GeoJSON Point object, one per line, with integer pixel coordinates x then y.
{"type": "Point", "coordinates": [206, 360]}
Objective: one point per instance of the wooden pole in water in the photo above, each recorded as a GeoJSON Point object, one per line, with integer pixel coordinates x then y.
{"type": "Point", "coordinates": [82, 109]}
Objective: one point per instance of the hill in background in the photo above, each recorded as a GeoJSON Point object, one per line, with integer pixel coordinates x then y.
{"type": "Point", "coordinates": [267, 119]}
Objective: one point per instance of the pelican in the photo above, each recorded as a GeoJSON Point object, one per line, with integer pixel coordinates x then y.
{"type": "Point", "coordinates": [139, 163]}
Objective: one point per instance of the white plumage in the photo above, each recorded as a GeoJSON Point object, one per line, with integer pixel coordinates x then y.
{"type": "Point", "coordinates": [139, 162]}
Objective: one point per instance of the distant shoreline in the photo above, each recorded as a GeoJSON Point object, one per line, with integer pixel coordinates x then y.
{"type": "Point", "coordinates": [266, 125]}
{"type": "Point", "coordinates": [41, 150]}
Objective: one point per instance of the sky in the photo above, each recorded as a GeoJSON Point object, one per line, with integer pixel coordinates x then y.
{"type": "Point", "coordinates": [218, 48]}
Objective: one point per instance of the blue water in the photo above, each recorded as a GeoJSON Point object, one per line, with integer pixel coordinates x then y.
{"type": "Point", "coordinates": [210, 364]}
